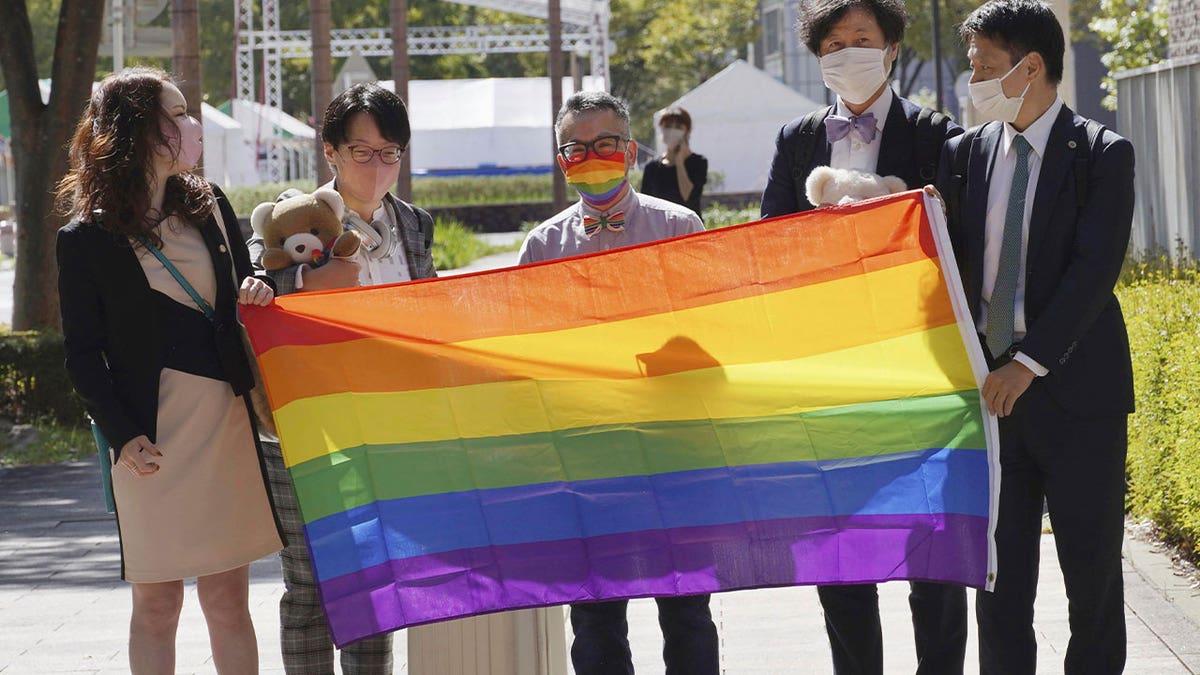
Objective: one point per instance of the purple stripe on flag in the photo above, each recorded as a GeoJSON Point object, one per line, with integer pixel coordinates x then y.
{"type": "Point", "coordinates": [813, 550]}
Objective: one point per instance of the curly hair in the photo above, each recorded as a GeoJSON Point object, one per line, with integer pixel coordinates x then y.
{"type": "Point", "coordinates": [112, 160]}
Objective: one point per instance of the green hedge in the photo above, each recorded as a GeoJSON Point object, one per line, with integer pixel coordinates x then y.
{"type": "Point", "coordinates": [1162, 310]}
{"type": "Point", "coordinates": [444, 191]}
{"type": "Point", "coordinates": [33, 381]}
{"type": "Point", "coordinates": [457, 245]}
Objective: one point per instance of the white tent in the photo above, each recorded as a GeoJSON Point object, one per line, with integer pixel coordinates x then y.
{"type": "Point", "coordinates": [228, 153]}
{"type": "Point", "coordinates": [736, 116]}
{"type": "Point", "coordinates": [265, 127]}
{"type": "Point", "coordinates": [494, 123]}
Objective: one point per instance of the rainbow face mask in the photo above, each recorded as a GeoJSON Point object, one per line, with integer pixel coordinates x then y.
{"type": "Point", "coordinates": [598, 179]}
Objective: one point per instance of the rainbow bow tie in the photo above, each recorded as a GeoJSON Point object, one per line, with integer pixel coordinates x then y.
{"type": "Point", "coordinates": [615, 222]}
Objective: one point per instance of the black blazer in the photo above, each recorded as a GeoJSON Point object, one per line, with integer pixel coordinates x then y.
{"type": "Point", "coordinates": [897, 156]}
{"type": "Point", "coordinates": [1074, 257]}
{"type": "Point", "coordinates": [113, 333]}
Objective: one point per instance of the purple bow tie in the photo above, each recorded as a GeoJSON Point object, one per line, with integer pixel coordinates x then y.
{"type": "Point", "coordinates": [837, 127]}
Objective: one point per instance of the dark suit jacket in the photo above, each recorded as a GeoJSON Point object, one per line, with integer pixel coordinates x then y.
{"type": "Point", "coordinates": [113, 333]}
{"type": "Point", "coordinates": [897, 156]}
{"type": "Point", "coordinates": [1074, 257]}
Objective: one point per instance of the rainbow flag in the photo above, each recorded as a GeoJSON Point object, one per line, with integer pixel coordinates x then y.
{"type": "Point", "coordinates": [787, 402]}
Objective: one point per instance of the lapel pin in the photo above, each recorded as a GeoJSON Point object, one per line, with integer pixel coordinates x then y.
{"type": "Point", "coordinates": [1071, 144]}
{"type": "Point", "coordinates": [221, 248]}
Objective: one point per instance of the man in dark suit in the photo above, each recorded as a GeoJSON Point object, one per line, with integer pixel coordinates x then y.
{"type": "Point", "coordinates": [872, 129]}
{"type": "Point", "coordinates": [1042, 204]}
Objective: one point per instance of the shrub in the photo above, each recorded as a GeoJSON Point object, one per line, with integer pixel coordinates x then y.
{"type": "Point", "coordinates": [722, 216]}
{"type": "Point", "coordinates": [429, 191]}
{"type": "Point", "coordinates": [45, 443]}
{"type": "Point", "coordinates": [455, 245]}
{"type": "Point", "coordinates": [244, 198]}
{"type": "Point", "coordinates": [1162, 309]}
{"type": "Point", "coordinates": [33, 380]}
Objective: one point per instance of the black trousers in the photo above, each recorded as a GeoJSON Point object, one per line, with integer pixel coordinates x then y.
{"type": "Point", "coordinates": [1078, 467]}
{"type": "Point", "coordinates": [939, 616]}
{"type": "Point", "coordinates": [601, 645]}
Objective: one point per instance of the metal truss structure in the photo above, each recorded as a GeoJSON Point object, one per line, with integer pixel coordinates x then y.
{"type": "Point", "coordinates": [585, 32]}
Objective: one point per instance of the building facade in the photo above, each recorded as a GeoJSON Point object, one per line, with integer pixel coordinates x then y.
{"type": "Point", "coordinates": [1184, 28]}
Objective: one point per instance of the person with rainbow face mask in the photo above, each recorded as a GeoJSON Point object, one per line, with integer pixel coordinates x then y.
{"type": "Point", "coordinates": [595, 154]}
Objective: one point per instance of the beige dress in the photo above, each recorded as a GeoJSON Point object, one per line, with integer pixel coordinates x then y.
{"type": "Point", "coordinates": [206, 509]}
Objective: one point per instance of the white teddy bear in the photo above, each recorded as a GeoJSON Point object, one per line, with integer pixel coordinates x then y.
{"type": "Point", "coordinates": [826, 186]}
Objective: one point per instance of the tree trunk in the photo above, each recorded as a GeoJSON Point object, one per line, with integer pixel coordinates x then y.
{"type": "Point", "coordinates": [320, 23]}
{"type": "Point", "coordinates": [400, 74]}
{"type": "Point", "coordinates": [556, 98]}
{"type": "Point", "coordinates": [185, 28]}
{"type": "Point", "coordinates": [41, 132]}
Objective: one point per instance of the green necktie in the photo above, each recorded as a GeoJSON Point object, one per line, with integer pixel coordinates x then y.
{"type": "Point", "coordinates": [1002, 307]}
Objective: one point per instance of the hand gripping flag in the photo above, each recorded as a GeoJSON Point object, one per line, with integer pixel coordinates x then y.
{"type": "Point", "coordinates": [787, 402]}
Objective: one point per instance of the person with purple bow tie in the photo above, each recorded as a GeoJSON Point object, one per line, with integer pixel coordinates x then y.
{"type": "Point", "coordinates": [870, 128]}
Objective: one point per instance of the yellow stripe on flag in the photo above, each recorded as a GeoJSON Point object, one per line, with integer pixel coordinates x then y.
{"type": "Point", "coordinates": [919, 364]}
{"type": "Point", "coordinates": [833, 315]}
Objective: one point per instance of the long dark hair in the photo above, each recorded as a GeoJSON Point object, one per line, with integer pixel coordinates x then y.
{"type": "Point", "coordinates": [112, 160]}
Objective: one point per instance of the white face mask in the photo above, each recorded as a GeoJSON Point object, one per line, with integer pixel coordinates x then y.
{"type": "Point", "coordinates": [854, 73]}
{"type": "Point", "coordinates": [671, 136]}
{"type": "Point", "coordinates": [991, 103]}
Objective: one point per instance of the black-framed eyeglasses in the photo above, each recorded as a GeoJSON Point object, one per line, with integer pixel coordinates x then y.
{"type": "Point", "coordinates": [577, 151]}
{"type": "Point", "coordinates": [363, 155]}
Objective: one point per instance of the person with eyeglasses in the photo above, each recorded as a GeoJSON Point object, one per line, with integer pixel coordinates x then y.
{"type": "Point", "coordinates": [595, 154]}
{"type": "Point", "coordinates": [366, 133]}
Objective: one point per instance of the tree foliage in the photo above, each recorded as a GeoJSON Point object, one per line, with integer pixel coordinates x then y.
{"type": "Point", "coordinates": [667, 47]}
{"type": "Point", "coordinates": [1137, 34]}
{"type": "Point", "coordinates": [40, 135]}
{"type": "Point", "coordinates": [916, 53]}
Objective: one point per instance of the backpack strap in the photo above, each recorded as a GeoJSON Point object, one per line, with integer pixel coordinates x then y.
{"type": "Point", "coordinates": [958, 177]}
{"type": "Point", "coordinates": [932, 127]}
{"type": "Point", "coordinates": [806, 147]}
{"type": "Point", "coordinates": [1084, 148]}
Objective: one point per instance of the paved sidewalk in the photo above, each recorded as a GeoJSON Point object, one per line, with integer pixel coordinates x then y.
{"type": "Point", "coordinates": [62, 609]}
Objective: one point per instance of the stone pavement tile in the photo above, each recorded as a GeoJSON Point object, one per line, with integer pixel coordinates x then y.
{"type": "Point", "coordinates": [63, 657]}
{"type": "Point", "coordinates": [1156, 665]}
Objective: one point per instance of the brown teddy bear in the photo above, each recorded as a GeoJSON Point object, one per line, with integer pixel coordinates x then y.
{"type": "Point", "coordinates": [305, 229]}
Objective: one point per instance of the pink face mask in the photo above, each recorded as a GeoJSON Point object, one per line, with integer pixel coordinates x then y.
{"type": "Point", "coordinates": [368, 183]}
{"type": "Point", "coordinates": [185, 137]}
{"type": "Point", "coordinates": [191, 142]}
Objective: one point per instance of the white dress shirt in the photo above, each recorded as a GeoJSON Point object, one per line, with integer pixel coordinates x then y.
{"type": "Point", "coordinates": [381, 257]}
{"type": "Point", "coordinates": [999, 187]}
{"type": "Point", "coordinates": [852, 152]}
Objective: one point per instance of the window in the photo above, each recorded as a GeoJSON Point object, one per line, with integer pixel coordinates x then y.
{"type": "Point", "coordinates": [772, 23]}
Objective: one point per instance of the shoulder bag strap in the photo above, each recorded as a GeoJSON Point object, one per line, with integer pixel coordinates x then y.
{"type": "Point", "coordinates": [200, 302]}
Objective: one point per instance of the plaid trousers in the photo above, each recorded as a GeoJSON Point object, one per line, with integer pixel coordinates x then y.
{"type": "Point", "coordinates": [304, 633]}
